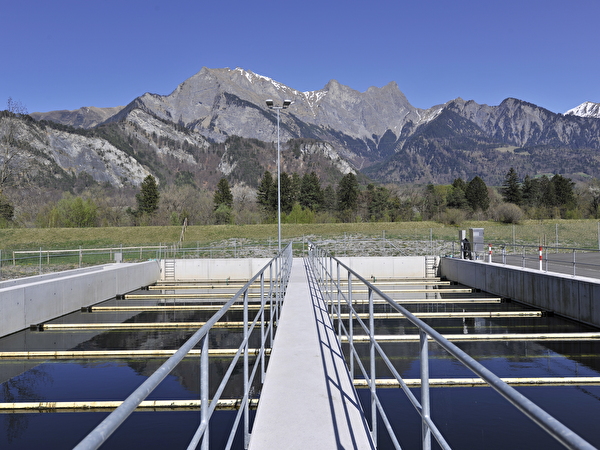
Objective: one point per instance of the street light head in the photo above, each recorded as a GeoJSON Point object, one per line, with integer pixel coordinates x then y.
{"type": "Point", "coordinates": [287, 103]}
{"type": "Point", "coordinates": [269, 103]}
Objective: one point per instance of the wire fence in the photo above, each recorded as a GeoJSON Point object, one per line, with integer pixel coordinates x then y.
{"type": "Point", "coordinates": [555, 258]}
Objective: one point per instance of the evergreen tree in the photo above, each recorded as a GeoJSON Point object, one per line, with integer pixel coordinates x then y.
{"type": "Point", "coordinates": [547, 196]}
{"type": "Point", "coordinates": [267, 189]}
{"type": "Point", "coordinates": [296, 182]}
{"type": "Point", "coordinates": [287, 193]}
{"type": "Point", "coordinates": [477, 194]}
{"type": "Point", "coordinates": [456, 196]}
{"type": "Point", "coordinates": [563, 192]}
{"type": "Point", "coordinates": [511, 188]}
{"type": "Point", "coordinates": [530, 191]}
{"type": "Point", "coordinates": [329, 198]}
{"type": "Point", "coordinates": [459, 183]}
{"type": "Point", "coordinates": [147, 198]}
{"type": "Point", "coordinates": [378, 205]}
{"type": "Point", "coordinates": [347, 193]}
{"type": "Point", "coordinates": [311, 195]}
{"type": "Point", "coordinates": [223, 195]}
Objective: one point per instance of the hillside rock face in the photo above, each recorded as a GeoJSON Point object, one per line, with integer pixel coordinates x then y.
{"type": "Point", "coordinates": [377, 132]}
{"type": "Point", "coordinates": [63, 156]}
{"type": "Point", "coordinates": [86, 117]}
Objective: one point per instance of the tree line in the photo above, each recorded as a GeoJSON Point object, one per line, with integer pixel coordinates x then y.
{"type": "Point", "coordinates": [304, 199]}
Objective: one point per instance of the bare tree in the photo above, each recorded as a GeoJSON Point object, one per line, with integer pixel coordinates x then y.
{"type": "Point", "coordinates": [14, 158]}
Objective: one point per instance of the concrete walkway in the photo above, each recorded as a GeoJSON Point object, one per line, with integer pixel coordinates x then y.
{"type": "Point", "coordinates": [308, 400]}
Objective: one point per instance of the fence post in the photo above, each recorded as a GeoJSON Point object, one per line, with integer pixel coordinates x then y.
{"type": "Point", "coordinates": [425, 407]}
{"type": "Point", "coordinates": [489, 252]}
{"type": "Point", "coordinates": [204, 386]}
{"type": "Point", "coordinates": [372, 368]}
{"type": "Point", "coordinates": [541, 256]}
{"type": "Point", "coordinates": [246, 375]}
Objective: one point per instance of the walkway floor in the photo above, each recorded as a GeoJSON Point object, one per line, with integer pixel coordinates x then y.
{"type": "Point", "coordinates": [308, 400]}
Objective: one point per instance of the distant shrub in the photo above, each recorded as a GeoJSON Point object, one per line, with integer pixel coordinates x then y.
{"type": "Point", "coordinates": [508, 213]}
{"type": "Point", "coordinates": [452, 216]}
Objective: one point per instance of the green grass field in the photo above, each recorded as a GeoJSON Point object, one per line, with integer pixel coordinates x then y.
{"type": "Point", "coordinates": [571, 233]}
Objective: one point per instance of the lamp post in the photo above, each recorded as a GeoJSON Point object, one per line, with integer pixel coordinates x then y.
{"type": "Point", "coordinates": [270, 105]}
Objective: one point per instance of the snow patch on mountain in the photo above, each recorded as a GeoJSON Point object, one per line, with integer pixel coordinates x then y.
{"type": "Point", "coordinates": [586, 109]}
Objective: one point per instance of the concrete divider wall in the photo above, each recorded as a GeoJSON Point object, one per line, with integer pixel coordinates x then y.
{"type": "Point", "coordinates": [246, 268]}
{"type": "Point", "coordinates": [577, 298]}
{"type": "Point", "coordinates": [382, 267]}
{"type": "Point", "coordinates": [217, 269]}
{"type": "Point", "coordinates": [43, 299]}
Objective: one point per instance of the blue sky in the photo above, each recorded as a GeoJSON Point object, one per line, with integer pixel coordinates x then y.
{"type": "Point", "coordinates": [65, 54]}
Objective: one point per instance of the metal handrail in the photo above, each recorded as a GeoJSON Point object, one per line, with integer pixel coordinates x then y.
{"type": "Point", "coordinates": [281, 266]}
{"type": "Point", "coordinates": [322, 264]}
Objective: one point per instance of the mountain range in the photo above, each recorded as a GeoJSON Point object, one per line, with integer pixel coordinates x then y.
{"type": "Point", "coordinates": [216, 123]}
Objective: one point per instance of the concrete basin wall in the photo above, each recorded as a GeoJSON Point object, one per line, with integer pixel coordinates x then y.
{"type": "Point", "coordinates": [246, 268]}
{"type": "Point", "coordinates": [577, 298]}
{"type": "Point", "coordinates": [217, 269]}
{"type": "Point", "coordinates": [387, 267]}
{"type": "Point", "coordinates": [36, 300]}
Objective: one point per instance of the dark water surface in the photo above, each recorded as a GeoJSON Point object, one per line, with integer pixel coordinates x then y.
{"type": "Point", "coordinates": [469, 417]}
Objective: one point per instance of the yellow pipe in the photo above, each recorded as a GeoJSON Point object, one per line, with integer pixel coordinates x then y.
{"type": "Point", "coordinates": [200, 295]}
{"type": "Point", "coordinates": [170, 308]}
{"type": "Point", "coordinates": [486, 337]}
{"type": "Point", "coordinates": [132, 326]}
{"type": "Point", "coordinates": [429, 300]}
{"type": "Point", "coordinates": [96, 405]}
{"type": "Point", "coordinates": [432, 290]}
{"type": "Point", "coordinates": [95, 354]}
{"type": "Point", "coordinates": [437, 315]}
{"type": "Point", "coordinates": [475, 382]}
{"type": "Point", "coordinates": [202, 286]}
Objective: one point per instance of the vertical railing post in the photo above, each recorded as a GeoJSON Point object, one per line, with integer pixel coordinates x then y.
{"type": "Point", "coordinates": [425, 411]}
{"type": "Point", "coordinates": [350, 324]}
{"type": "Point", "coordinates": [263, 338]}
{"type": "Point", "coordinates": [331, 285]}
{"type": "Point", "coordinates": [204, 386]}
{"type": "Point", "coordinates": [277, 287]}
{"type": "Point", "coordinates": [339, 302]}
{"type": "Point", "coordinates": [574, 262]}
{"type": "Point", "coordinates": [373, 373]}
{"type": "Point", "coordinates": [246, 374]}
{"type": "Point", "coordinates": [271, 310]}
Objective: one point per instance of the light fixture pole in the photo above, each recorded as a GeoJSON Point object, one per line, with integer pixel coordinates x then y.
{"type": "Point", "coordinates": [270, 104]}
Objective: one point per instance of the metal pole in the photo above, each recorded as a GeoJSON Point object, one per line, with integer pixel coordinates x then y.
{"type": "Point", "coordinates": [351, 323]}
{"type": "Point", "coordinates": [425, 413]}
{"type": "Point", "coordinates": [271, 316]}
{"type": "Point", "coordinates": [263, 338]}
{"type": "Point", "coordinates": [278, 188]}
{"type": "Point", "coordinates": [204, 391]}
{"type": "Point", "coordinates": [373, 373]}
{"type": "Point", "coordinates": [246, 371]}
{"type": "Point", "coordinates": [339, 301]}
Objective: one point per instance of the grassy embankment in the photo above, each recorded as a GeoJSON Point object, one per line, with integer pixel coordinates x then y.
{"type": "Point", "coordinates": [571, 233]}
